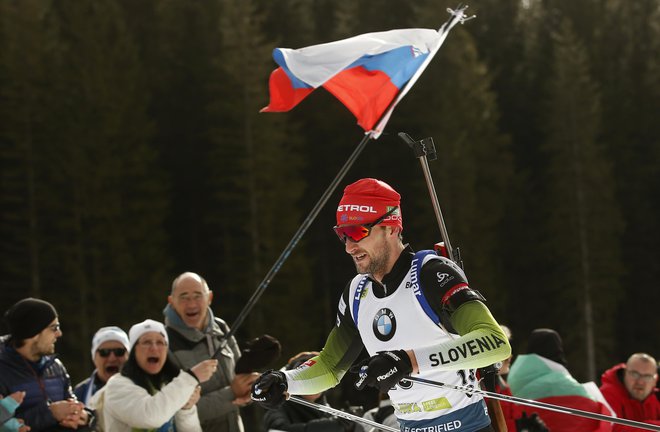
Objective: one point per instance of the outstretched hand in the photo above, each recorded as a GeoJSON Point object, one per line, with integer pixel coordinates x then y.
{"type": "Point", "coordinates": [17, 396]}
{"type": "Point", "coordinates": [269, 390]}
{"type": "Point", "coordinates": [241, 386]}
{"type": "Point", "coordinates": [204, 370]}
{"type": "Point", "coordinates": [384, 370]}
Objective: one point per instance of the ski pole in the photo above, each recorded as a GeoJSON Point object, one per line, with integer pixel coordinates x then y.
{"type": "Point", "coordinates": [536, 404]}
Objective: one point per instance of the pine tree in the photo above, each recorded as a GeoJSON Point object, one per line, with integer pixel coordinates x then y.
{"type": "Point", "coordinates": [453, 103]}
{"type": "Point", "coordinates": [582, 217]}
{"type": "Point", "coordinates": [261, 183]}
{"type": "Point", "coordinates": [627, 66]}
{"type": "Point", "coordinates": [104, 242]}
{"type": "Point", "coordinates": [26, 54]}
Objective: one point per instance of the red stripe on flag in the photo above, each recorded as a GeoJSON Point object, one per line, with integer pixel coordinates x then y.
{"type": "Point", "coordinates": [367, 94]}
{"type": "Point", "coordinates": [283, 96]}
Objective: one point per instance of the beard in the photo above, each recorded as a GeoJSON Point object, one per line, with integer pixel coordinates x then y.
{"type": "Point", "coordinates": [44, 348]}
{"type": "Point", "coordinates": [378, 260]}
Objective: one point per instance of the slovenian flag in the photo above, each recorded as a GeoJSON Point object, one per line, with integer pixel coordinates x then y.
{"type": "Point", "coordinates": [366, 72]}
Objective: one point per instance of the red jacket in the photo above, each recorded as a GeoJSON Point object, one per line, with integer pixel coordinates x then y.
{"type": "Point", "coordinates": [647, 411]}
{"type": "Point", "coordinates": [560, 422]}
{"type": "Point", "coordinates": [510, 410]}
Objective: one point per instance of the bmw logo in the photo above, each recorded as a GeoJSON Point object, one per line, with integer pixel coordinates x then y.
{"type": "Point", "coordinates": [384, 324]}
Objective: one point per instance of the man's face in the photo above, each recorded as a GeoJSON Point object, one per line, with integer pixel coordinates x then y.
{"type": "Point", "coordinates": [109, 358]}
{"type": "Point", "coordinates": [371, 255]}
{"type": "Point", "coordinates": [506, 366]}
{"type": "Point", "coordinates": [190, 299]}
{"type": "Point", "coordinates": [640, 378]}
{"type": "Point", "coordinates": [151, 352]}
{"type": "Point", "coordinates": [44, 343]}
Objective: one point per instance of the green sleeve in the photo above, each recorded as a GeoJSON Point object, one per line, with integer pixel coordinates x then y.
{"type": "Point", "coordinates": [340, 351]}
{"type": "Point", "coordinates": [481, 343]}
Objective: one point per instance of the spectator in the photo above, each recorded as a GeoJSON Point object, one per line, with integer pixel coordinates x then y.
{"type": "Point", "coordinates": [151, 392]}
{"type": "Point", "coordinates": [630, 389]}
{"type": "Point", "coordinates": [542, 375]}
{"type": "Point", "coordinates": [196, 334]}
{"type": "Point", "coordinates": [515, 415]}
{"type": "Point", "coordinates": [293, 417]}
{"type": "Point", "coordinates": [8, 405]}
{"type": "Point", "coordinates": [109, 353]}
{"type": "Point", "coordinates": [27, 364]}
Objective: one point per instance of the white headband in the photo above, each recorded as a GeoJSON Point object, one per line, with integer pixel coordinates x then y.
{"type": "Point", "coordinates": [146, 326]}
{"type": "Point", "coordinates": [111, 333]}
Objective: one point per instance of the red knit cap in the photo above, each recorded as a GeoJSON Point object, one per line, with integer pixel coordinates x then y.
{"type": "Point", "coordinates": [366, 200]}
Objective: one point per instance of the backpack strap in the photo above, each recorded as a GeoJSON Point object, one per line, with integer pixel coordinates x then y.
{"type": "Point", "coordinates": [416, 268]}
{"type": "Point", "coordinates": [357, 297]}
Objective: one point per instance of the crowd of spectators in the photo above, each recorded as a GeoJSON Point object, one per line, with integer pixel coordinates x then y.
{"type": "Point", "coordinates": [182, 375]}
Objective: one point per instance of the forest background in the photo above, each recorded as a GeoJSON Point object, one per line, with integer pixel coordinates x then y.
{"type": "Point", "coordinates": [132, 149]}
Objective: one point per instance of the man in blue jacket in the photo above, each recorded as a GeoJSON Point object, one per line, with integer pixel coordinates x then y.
{"type": "Point", "coordinates": [27, 363]}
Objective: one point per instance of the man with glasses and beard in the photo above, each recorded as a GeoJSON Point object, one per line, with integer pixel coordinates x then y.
{"type": "Point", "coordinates": [414, 312]}
{"type": "Point", "coordinates": [630, 390]}
{"type": "Point", "coordinates": [109, 353]}
{"type": "Point", "coordinates": [28, 363]}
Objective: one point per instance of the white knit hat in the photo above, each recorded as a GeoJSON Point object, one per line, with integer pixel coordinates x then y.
{"type": "Point", "coordinates": [111, 333]}
{"type": "Point", "coordinates": [146, 326]}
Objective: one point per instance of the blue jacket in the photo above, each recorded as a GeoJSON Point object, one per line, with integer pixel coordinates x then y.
{"type": "Point", "coordinates": [44, 381]}
{"type": "Point", "coordinates": [84, 390]}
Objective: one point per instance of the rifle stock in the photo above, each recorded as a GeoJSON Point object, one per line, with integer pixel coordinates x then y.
{"type": "Point", "coordinates": [496, 415]}
{"type": "Point", "coordinates": [423, 150]}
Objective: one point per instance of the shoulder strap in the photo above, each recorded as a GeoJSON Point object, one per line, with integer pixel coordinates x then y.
{"type": "Point", "coordinates": [417, 263]}
{"type": "Point", "coordinates": [357, 297]}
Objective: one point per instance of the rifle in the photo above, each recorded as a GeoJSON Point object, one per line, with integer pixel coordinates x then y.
{"type": "Point", "coordinates": [425, 149]}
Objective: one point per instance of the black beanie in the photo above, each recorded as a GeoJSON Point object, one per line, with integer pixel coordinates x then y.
{"type": "Point", "coordinates": [29, 317]}
{"type": "Point", "coordinates": [547, 343]}
{"type": "Point", "coordinates": [258, 353]}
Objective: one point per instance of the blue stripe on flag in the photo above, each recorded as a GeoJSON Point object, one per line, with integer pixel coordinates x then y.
{"type": "Point", "coordinates": [400, 64]}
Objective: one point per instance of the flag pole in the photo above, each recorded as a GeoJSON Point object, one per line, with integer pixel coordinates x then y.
{"type": "Point", "coordinates": [457, 16]}
{"type": "Point", "coordinates": [295, 239]}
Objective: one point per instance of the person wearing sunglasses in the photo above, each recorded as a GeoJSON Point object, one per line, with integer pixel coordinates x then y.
{"type": "Point", "coordinates": [151, 393]}
{"type": "Point", "coordinates": [109, 353]}
{"type": "Point", "coordinates": [413, 312]}
{"type": "Point", "coordinates": [631, 388]}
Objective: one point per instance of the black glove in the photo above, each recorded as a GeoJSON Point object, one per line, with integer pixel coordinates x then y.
{"type": "Point", "coordinates": [269, 389]}
{"type": "Point", "coordinates": [384, 370]}
{"type": "Point", "coordinates": [489, 376]}
{"type": "Point", "coordinates": [531, 424]}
